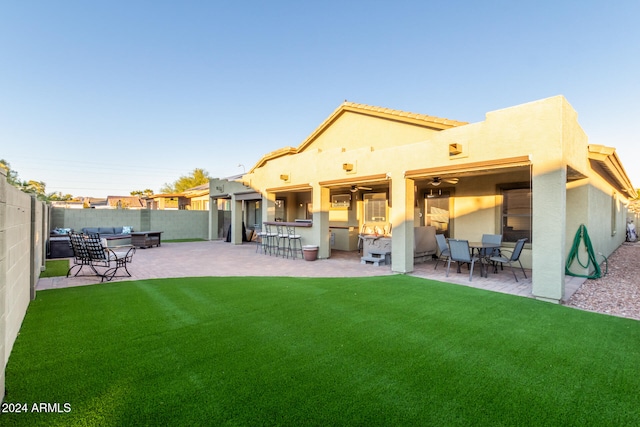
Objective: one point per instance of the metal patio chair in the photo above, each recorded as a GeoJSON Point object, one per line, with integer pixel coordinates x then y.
{"type": "Point", "coordinates": [443, 250]}
{"type": "Point", "coordinates": [515, 256]}
{"type": "Point", "coordinates": [89, 251]}
{"type": "Point", "coordinates": [461, 254]}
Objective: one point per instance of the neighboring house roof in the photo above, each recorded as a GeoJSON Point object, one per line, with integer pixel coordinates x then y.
{"type": "Point", "coordinates": [124, 201]}
{"type": "Point", "coordinates": [165, 196]}
{"type": "Point", "coordinates": [67, 203]}
{"type": "Point", "coordinates": [200, 190]}
{"type": "Point", "coordinates": [423, 120]}
{"type": "Point", "coordinates": [92, 201]}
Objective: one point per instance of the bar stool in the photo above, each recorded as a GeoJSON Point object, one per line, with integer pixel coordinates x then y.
{"type": "Point", "coordinates": [281, 240]}
{"type": "Point", "coordinates": [293, 238]}
{"type": "Point", "coordinates": [269, 239]}
{"type": "Point", "coordinates": [260, 238]}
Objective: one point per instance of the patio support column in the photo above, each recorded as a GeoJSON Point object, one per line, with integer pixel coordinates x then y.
{"type": "Point", "coordinates": [402, 219]}
{"type": "Point", "coordinates": [236, 220]}
{"type": "Point", "coordinates": [213, 218]}
{"type": "Point", "coordinates": [268, 207]}
{"type": "Point", "coordinates": [549, 224]}
{"type": "Point", "coordinates": [321, 201]}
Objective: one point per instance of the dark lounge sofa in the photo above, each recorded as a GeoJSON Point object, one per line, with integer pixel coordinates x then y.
{"type": "Point", "coordinates": [114, 236]}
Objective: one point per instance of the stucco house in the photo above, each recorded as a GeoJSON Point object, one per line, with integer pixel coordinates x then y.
{"type": "Point", "coordinates": [196, 198]}
{"type": "Point", "coordinates": [525, 171]}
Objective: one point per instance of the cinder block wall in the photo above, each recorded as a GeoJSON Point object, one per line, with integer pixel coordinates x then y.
{"type": "Point", "coordinates": [22, 221]}
{"type": "Point", "coordinates": [79, 218]}
{"type": "Point", "coordinates": [180, 224]}
{"type": "Point", "coordinates": [173, 224]}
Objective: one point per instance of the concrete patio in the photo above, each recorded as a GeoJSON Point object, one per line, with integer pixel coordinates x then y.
{"type": "Point", "coordinates": [218, 258]}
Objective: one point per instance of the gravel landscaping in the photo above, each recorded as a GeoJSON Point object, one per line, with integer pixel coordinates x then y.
{"type": "Point", "coordinates": [618, 292]}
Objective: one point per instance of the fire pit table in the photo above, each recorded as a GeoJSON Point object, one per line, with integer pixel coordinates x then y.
{"type": "Point", "coordinates": [145, 239]}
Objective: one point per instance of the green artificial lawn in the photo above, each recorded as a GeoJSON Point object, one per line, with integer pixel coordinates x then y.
{"type": "Point", "coordinates": [380, 351]}
{"type": "Point", "coordinates": [55, 268]}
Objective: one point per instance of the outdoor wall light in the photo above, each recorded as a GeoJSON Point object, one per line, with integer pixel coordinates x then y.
{"type": "Point", "coordinates": [455, 149]}
{"type": "Point", "coordinates": [347, 166]}
{"type": "Point", "coordinates": [284, 177]}
{"type": "Point", "coordinates": [220, 188]}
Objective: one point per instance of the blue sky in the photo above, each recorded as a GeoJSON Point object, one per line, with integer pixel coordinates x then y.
{"type": "Point", "coordinates": [102, 98]}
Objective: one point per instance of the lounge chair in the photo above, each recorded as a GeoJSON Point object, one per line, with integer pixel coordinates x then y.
{"type": "Point", "coordinates": [104, 262]}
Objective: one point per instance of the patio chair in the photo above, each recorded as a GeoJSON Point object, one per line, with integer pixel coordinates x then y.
{"type": "Point", "coordinates": [459, 252]}
{"type": "Point", "coordinates": [495, 239]}
{"type": "Point", "coordinates": [443, 249]}
{"type": "Point", "coordinates": [491, 238]}
{"type": "Point", "coordinates": [89, 251]}
{"type": "Point", "coordinates": [81, 255]}
{"type": "Point", "coordinates": [515, 256]}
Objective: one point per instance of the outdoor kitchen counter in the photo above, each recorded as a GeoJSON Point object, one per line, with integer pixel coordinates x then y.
{"type": "Point", "coordinates": [301, 224]}
{"type": "Point", "coordinates": [303, 228]}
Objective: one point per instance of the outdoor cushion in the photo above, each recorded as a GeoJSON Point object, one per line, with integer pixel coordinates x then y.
{"type": "Point", "coordinates": [61, 231]}
{"type": "Point", "coordinates": [108, 232]}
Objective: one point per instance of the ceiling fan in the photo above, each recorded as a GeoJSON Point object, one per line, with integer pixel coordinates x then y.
{"type": "Point", "coordinates": [355, 188]}
{"type": "Point", "coordinates": [437, 181]}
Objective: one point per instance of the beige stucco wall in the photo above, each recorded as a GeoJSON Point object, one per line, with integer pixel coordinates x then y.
{"type": "Point", "coordinates": [544, 129]}
{"type": "Point", "coordinates": [546, 132]}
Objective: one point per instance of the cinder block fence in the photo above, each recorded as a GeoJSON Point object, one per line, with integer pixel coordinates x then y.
{"type": "Point", "coordinates": [23, 229]}
{"type": "Point", "coordinates": [25, 224]}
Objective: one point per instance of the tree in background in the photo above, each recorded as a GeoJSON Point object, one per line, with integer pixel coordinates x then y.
{"type": "Point", "coordinates": [143, 193]}
{"type": "Point", "coordinates": [59, 196]}
{"type": "Point", "coordinates": [185, 182]}
{"type": "Point", "coordinates": [38, 188]}
{"type": "Point", "coordinates": [12, 176]}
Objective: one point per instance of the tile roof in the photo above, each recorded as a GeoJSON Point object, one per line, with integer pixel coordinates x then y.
{"type": "Point", "coordinates": [424, 120]}
{"type": "Point", "coordinates": [404, 114]}
{"type": "Point", "coordinates": [129, 201]}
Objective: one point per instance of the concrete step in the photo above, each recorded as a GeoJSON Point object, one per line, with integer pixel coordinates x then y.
{"type": "Point", "coordinates": [375, 260]}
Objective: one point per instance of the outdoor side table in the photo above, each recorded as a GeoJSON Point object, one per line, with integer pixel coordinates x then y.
{"type": "Point", "coordinates": [146, 239]}
{"type": "Point", "coordinates": [60, 247]}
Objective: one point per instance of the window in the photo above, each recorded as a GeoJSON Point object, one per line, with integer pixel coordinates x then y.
{"type": "Point", "coordinates": [224, 204]}
{"type": "Point", "coordinates": [281, 213]}
{"type": "Point", "coordinates": [516, 214]}
{"type": "Point", "coordinates": [437, 211]}
{"type": "Point", "coordinates": [375, 207]}
{"type": "Point", "coordinates": [254, 212]}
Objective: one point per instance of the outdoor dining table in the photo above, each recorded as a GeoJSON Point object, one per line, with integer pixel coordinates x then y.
{"type": "Point", "coordinates": [480, 246]}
